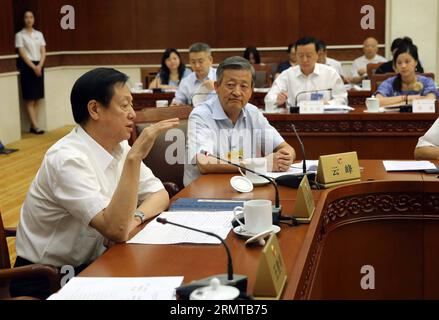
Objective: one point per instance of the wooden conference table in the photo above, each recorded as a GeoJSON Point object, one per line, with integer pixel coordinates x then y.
{"type": "Point", "coordinates": [373, 136]}
{"type": "Point", "coordinates": [389, 221]}
{"type": "Point", "coordinates": [148, 100]}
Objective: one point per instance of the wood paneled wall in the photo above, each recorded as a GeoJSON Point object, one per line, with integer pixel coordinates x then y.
{"type": "Point", "coordinates": [6, 28]}
{"type": "Point", "coordinates": [157, 24]}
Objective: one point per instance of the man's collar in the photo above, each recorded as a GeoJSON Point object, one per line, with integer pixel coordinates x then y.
{"type": "Point", "coordinates": [298, 71]}
{"type": "Point", "coordinates": [218, 111]}
{"type": "Point", "coordinates": [208, 77]}
{"type": "Point", "coordinates": [97, 151]}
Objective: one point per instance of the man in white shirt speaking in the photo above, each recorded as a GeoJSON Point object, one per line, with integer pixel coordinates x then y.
{"type": "Point", "coordinates": [91, 186]}
{"type": "Point", "coordinates": [307, 81]}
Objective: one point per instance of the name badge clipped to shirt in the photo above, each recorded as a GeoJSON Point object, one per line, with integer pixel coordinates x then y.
{"type": "Point", "coordinates": [235, 156]}
{"type": "Point", "coordinates": [311, 107]}
{"type": "Point", "coordinates": [424, 106]}
{"type": "Point", "coordinates": [316, 96]}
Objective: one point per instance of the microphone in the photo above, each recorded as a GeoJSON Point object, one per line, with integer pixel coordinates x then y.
{"type": "Point", "coordinates": [292, 180]}
{"type": "Point", "coordinates": [230, 279]}
{"type": "Point", "coordinates": [277, 208]}
{"type": "Point", "coordinates": [296, 107]}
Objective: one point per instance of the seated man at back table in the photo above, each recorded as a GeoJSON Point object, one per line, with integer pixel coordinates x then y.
{"type": "Point", "coordinates": [201, 81]}
{"type": "Point", "coordinates": [359, 66]}
{"type": "Point", "coordinates": [307, 81]}
{"type": "Point", "coordinates": [231, 128]}
{"type": "Point", "coordinates": [91, 186]}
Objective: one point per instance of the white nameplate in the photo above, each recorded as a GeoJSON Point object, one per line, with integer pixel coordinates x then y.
{"type": "Point", "coordinates": [311, 107]}
{"type": "Point", "coordinates": [424, 106]}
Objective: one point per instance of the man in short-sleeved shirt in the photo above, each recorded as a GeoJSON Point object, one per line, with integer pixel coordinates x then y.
{"type": "Point", "coordinates": [359, 66]}
{"type": "Point", "coordinates": [307, 81]}
{"type": "Point", "coordinates": [231, 128]}
{"type": "Point", "coordinates": [198, 86]}
{"type": "Point", "coordinates": [91, 185]}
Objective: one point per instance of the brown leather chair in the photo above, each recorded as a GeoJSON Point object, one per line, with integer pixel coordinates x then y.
{"type": "Point", "coordinates": [371, 68]}
{"type": "Point", "coordinates": [147, 75]}
{"type": "Point", "coordinates": [8, 274]}
{"type": "Point", "coordinates": [263, 75]}
{"type": "Point", "coordinates": [377, 79]}
{"type": "Point", "coordinates": [170, 174]}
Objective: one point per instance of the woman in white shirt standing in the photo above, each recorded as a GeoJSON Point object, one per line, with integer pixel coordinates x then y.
{"type": "Point", "coordinates": [32, 54]}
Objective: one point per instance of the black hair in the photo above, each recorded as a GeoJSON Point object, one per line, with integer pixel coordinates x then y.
{"type": "Point", "coordinates": [412, 50]}
{"type": "Point", "coordinates": [255, 52]}
{"type": "Point", "coordinates": [321, 45]}
{"type": "Point", "coordinates": [400, 42]}
{"type": "Point", "coordinates": [290, 46]}
{"type": "Point", "coordinates": [97, 84]}
{"type": "Point", "coordinates": [307, 40]}
{"type": "Point", "coordinates": [234, 63]}
{"type": "Point", "coordinates": [164, 70]}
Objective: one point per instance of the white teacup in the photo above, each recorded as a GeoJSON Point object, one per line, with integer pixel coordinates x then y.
{"type": "Point", "coordinates": [258, 165]}
{"type": "Point", "coordinates": [366, 84]}
{"type": "Point", "coordinates": [161, 103]}
{"type": "Point", "coordinates": [257, 215]}
{"type": "Point", "coordinates": [372, 104]}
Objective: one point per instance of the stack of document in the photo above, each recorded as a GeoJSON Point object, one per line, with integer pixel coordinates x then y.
{"type": "Point", "coordinates": [218, 222]}
{"type": "Point", "coordinates": [296, 168]}
{"type": "Point", "coordinates": [408, 165]}
{"type": "Point", "coordinates": [337, 108]}
{"type": "Point", "coordinates": [84, 288]}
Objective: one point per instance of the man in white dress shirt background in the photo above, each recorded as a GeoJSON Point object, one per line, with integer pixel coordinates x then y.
{"type": "Point", "coordinates": [201, 81]}
{"type": "Point", "coordinates": [296, 82]}
{"type": "Point", "coordinates": [359, 66]}
{"type": "Point", "coordinates": [91, 186]}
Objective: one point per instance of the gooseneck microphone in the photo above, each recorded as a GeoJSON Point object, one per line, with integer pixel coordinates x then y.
{"type": "Point", "coordinates": [277, 208]}
{"type": "Point", "coordinates": [238, 281]}
{"type": "Point", "coordinates": [295, 107]}
{"type": "Point", "coordinates": [229, 257]}
{"type": "Point", "coordinates": [292, 180]}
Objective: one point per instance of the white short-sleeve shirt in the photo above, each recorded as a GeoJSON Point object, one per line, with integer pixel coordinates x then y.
{"type": "Point", "coordinates": [210, 129]}
{"type": "Point", "coordinates": [295, 83]}
{"type": "Point", "coordinates": [31, 43]}
{"type": "Point", "coordinates": [362, 62]}
{"type": "Point", "coordinates": [431, 137]}
{"type": "Point", "coordinates": [76, 181]}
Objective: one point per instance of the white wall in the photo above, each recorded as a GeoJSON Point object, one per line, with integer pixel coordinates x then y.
{"type": "Point", "coordinates": [9, 108]}
{"type": "Point", "coordinates": [418, 20]}
{"type": "Point", "coordinates": [54, 110]}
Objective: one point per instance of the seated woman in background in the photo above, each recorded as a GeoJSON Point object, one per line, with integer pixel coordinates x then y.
{"type": "Point", "coordinates": [252, 55]}
{"type": "Point", "coordinates": [406, 86]}
{"type": "Point", "coordinates": [171, 72]}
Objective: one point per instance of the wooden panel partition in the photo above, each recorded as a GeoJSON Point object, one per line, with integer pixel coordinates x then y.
{"type": "Point", "coordinates": [390, 228]}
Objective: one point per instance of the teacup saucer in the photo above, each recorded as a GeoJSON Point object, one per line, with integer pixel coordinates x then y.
{"type": "Point", "coordinates": [241, 232]}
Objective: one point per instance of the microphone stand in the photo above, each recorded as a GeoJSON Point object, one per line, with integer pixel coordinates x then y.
{"type": "Point", "coordinates": [277, 208]}
{"type": "Point", "coordinates": [291, 180]}
{"type": "Point", "coordinates": [238, 281]}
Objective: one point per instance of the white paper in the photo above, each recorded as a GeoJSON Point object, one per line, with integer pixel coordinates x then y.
{"type": "Point", "coordinates": [408, 165]}
{"type": "Point", "coordinates": [311, 165]}
{"type": "Point", "coordinates": [296, 169]}
{"type": "Point", "coordinates": [334, 108]}
{"type": "Point", "coordinates": [88, 288]}
{"type": "Point", "coordinates": [218, 222]}
{"type": "Point", "coordinates": [424, 106]}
